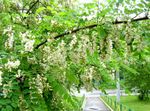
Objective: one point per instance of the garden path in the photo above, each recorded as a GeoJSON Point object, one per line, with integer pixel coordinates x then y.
{"type": "Point", "coordinates": [94, 104]}
{"type": "Point", "coordinates": [93, 101]}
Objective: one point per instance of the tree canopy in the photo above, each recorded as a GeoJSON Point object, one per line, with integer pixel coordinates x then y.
{"type": "Point", "coordinates": [50, 48]}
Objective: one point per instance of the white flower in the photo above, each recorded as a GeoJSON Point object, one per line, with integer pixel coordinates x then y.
{"type": "Point", "coordinates": [9, 32]}
{"type": "Point", "coordinates": [18, 74]}
{"type": "Point", "coordinates": [73, 42]}
{"type": "Point", "coordinates": [1, 77]}
{"type": "Point", "coordinates": [84, 17]}
{"type": "Point", "coordinates": [10, 40]}
{"type": "Point", "coordinates": [8, 29]}
{"type": "Point", "coordinates": [24, 37]}
{"type": "Point", "coordinates": [53, 22]}
{"type": "Point", "coordinates": [12, 64]}
{"type": "Point", "coordinates": [39, 83]}
{"type": "Point", "coordinates": [89, 17]}
{"type": "Point", "coordinates": [29, 45]}
{"type": "Point", "coordinates": [103, 65]}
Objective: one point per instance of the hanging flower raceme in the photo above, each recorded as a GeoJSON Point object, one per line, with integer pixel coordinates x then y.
{"type": "Point", "coordinates": [9, 32]}
{"type": "Point", "coordinates": [28, 41]}
{"type": "Point", "coordinates": [88, 77]}
{"type": "Point", "coordinates": [29, 45]}
{"type": "Point", "coordinates": [7, 88]}
{"type": "Point", "coordinates": [12, 65]}
{"type": "Point", "coordinates": [109, 49]}
{"type": "Point", "coordinates": [1, 77]}
{"type": "Point", "coordinates": [74, 41]}
{"type": "Point", "coordinates": [55, 55]}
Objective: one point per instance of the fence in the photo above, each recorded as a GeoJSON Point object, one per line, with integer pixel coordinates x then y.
{"type": "Point", "coordinates": [115, 105]}
{"type": "Point", "coordinates": [83, 102]}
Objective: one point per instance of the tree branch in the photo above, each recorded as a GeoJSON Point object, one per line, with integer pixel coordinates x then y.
{"type": "Point", "coordinates": [32, 6]}
{"type": "Point", "coordinates": [89, 27]}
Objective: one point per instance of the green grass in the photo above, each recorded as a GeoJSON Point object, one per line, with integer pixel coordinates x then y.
{"type": "Point", "coordinates": [134, 103]}
{"type": "Point", "coordinates": [79, 101]}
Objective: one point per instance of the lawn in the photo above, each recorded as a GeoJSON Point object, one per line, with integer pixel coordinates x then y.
{"type": "Point", "coordinates": [134, 103]}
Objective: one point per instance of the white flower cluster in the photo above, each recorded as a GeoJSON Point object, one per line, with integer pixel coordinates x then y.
{"type": "Point", "coordinates": [39, 84]}
{"type": "Point", "coordinates": [83, 45]}
{"type": "Point", "coordinates": [90, 73]}
{"type": "Point", "coordinates": [126, 55]}
{"type": "Point", "coordinates": [91, 15]}
{"type": "Point", "coordinates": [28, 43]}
{"type": "Point", "coordinates": [12, 65]}
{"type": "Point", "coordinates": [6, 88]}
{"type": "Point", "coordinates": [109, 49]}
{"type": "Point", "coordinates": [103, 65]}
{"type": "Point", "coordinates": [87, 77]}
{"type": "Point", "coordinates": [1, 77]}
{"type": "Point", "coordinates": [79, 52]}
{"type": "Point", "coordinates": [18, 73]}
{"type": "Point", "coordinates": [53, 22]}
{"type": "Point", "coordinates": [9, 32]}
{"type": "Point", "coordinates": [74, 41]}
{"type": "Point", "coordinates": [8, 29]}
{"type": "Point", "coordinates": [55, 55]}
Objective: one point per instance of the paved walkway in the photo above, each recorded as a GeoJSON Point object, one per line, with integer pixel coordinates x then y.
{"type": "Point", "coordinates": [94, 104]}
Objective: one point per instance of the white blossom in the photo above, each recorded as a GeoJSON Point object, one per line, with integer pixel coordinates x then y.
{"type": "Point", "coordinates": [103, 65]}
{"type": "Point", "coordinates": [9, 32]}
{"type": "Point", "coordinates": [1, 77]}
{"type": "Point", "coordinates": [73, 42]}
{"type": "Point", "coordinates": [55, 55]}
{"type": "Point", "coordinates": [12, 64]}
{"type": "Point", "coordinates": [29, 45]}
{"type": "Point", "coordinates": [24, 37]}
{"type": "Point", "coordinates": [39, 84]}
{"type": "Point", "coordinates": [18, 73]}
{"type": "Point", "coordinates": [6, 88]}
{"type": "Point", "coordinates": [109, 49]}
{"type": "Point", "coordinates": [8, 29]}
{"type": "Point", "coordinates": [53, 22]}
{"type": "Point", "coordinates": [9, 42]}
{"type": "Point", "coordinates": [27, 40]}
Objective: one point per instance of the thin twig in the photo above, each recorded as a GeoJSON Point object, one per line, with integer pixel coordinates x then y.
{"type": "Point", "coordinates": [32, 6]}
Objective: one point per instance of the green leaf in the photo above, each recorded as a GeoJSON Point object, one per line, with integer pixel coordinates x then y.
{"type": "Point", "coordinates": [93, 59]}
{"type": "Point", "coordinates": [14, 104]}
{"type": "Point", "coordinates": [8, 108]}
{"type": "Point", "coordinates": [140, 5]}
{"type": "Point", "coordinates": [129, 69]}
{"type": "Point", "coordinates": [102, 32]}
{"type": "Point", "coordinates": [120, 1]}
{"type": "Point", "coordinates": [39, 10]}
{"type": "Point", "coordinates": [4, 101]}
{"type": "Point", "coordinates": [3, 109]}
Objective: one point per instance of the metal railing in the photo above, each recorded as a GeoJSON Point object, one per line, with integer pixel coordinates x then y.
{"type": "Point", "coordinates": [83, 103]}
{"type": "Point", "coordinates": [115, 105]}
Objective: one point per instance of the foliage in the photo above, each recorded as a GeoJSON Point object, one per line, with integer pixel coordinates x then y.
{"type": "Point", "coordinates": [50, 47]}
{"type": "Point", "coordinates": [139, 80]}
